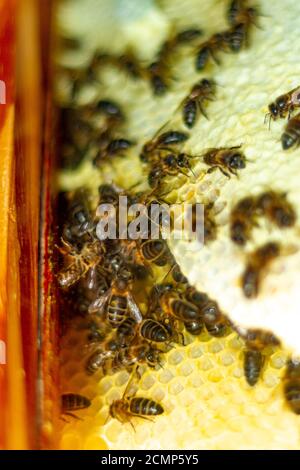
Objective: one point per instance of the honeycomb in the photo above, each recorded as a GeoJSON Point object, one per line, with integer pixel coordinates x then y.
{"type": "Point", "coordinates": [200, 385]}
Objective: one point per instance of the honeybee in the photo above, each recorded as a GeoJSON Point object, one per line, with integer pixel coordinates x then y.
{"type": "Point", "coordinates": [183, 37]}
{"type": "Point", "coordinates": [126, 62]}
{"type": "Point", "coordinates": [253, 364]}
{"type": "Point", "coordinates": [159, 79]}
{"type": "Point", "coordinates": [292, 385]}
{"type": "Point", "coordinates": [209, 49]}
{"type": "Point", "coordinates": [257, 339]}
{"type": "Point", "coordinates": [80, 224]}
{"type": "Point", "coordinates": [201, 92]}
{"type": "Point", "coordinates": [170, 165]}
{"type": "Point", "coordinates": [242, 220]}
{"type": "Point", "coordinates": [276, 208]}
{"type": "Point", "coordinates": [81, 261]}
{"type": "Point", "coordinates": [162, 143]}
{"type": "Point", "coordinates": [130, 406]}
{"type": "Point", "coordinates": [291, 136]}
{"type": "Point", "coordinates": [284, 105]}
{"type": "Point", "coordinates": [158, 71]}
{"type": "Point", "coordinates": [237, 37]}
{"type": "Point", "coordinates": [228, 160]}
{"type": "Point", "coordinates": [118, 302]}
{"type": "Point", "coordinates": [127, 358]}
{"type": "Point", "coordinates": [258, 261]}
{"type": "Point", "coordinates": [110, 108]}
{"type": "Point", "coordinates": [73, 402]}
{"type": "Point", "coordinates": [114, 147]}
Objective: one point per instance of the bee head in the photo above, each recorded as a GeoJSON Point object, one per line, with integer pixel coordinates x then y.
{"type": "Point", "coordinates": [237, 161]}
{"type": "Point", "coordinates": [274, 111]}
{"type": "Point", "coordinates": [182, 161]}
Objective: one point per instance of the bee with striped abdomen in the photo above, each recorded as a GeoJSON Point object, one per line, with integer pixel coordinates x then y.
{"type": "Point", "coordinates": [243, 220]}
{"type": "Point", "coordinates": [130, 406]}
{"type": "Point", "coordinates": [253, 364]}
{"type": "Point", "coordinates": [275, 206]}
{"type": "Point", "coordinates": [193, 104]}
{"type": "Point", "coordinates": [73, 402]}
{"type": "Point", "coordinates": [254, 354]}
{"type": "Point", "coordinates": [284, 105]}
{"type": "Point", "coordinates": [117, 303]}
{"type": "Point", "coordinates": [258, 261]}
{"type": "Point", "coordinates": [154, 331]}
{"type": "Point", "coordinates": [227, 160]}
{"type": "Point", "coordinates": [209, 49]}
{"type": "Point", "coordinates": [162, 143]}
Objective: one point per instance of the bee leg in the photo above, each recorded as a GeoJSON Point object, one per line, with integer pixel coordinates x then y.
{"type": "Point", "coordinates": [181, 335]}
{"type": "Point", "coordinates": [203, 111]}
{"type": "Point", "coordinates": [68, 413]}
{"type": "Point", "coordinates": [132, 425]}
{"type": "Point", "coordinates": [215, 58]}
{"type": "Point", "coordinates": [211, 169]}
{"type": "Point", "coordinates": [225, 173]}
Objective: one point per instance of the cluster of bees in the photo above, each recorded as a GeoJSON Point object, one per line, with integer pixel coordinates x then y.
{"type": "Point", "coordinates": [127, 326]}
{"type": "Point", "coordinates": [136, 301]}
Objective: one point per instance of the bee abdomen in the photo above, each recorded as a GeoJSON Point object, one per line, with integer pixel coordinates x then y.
{"type": "Point", "coordinates": [73, 401]}
{"type": "Point", "coordinates": [253, 362]}
{"type": "Point", "coordinates": [145, 406]}
{"type": "Point", "coordinates": [189, 113]}
{"type": "Point", "coordinates": [291, 135]}
{"type": "Point", "coordinates": [154, 331]}
{"type": "Point", "coordinates": [202, 58]}
{"type": "Point", "coordinates": [194, 327]}
{"type": "Point", "coordinates": [184, 310]}
{"type": "Point", "coordinates": [236, 38]}
{"type": "Point", "coordinates": [250, 282]}
{"type": "Point", "coordinates": [116, 310]}
{"type": "Point", "coordinates": [292, 395]}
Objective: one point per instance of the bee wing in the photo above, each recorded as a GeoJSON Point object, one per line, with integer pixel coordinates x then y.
{"type": "Point", "coordinates": [98, 305]}
{"type": "Point", "coordinates": [181, 104]}
{"type": "Point", "coordinates": [130, 389]}
{"type": "Point", "coordinates": [134, 309]}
